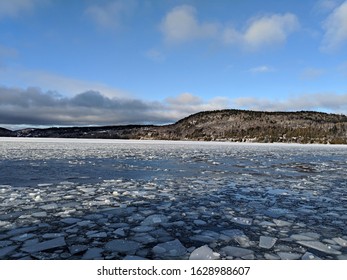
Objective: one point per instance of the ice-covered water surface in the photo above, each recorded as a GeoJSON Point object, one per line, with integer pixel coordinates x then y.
{"type": "Point", "coordinates": [111, 199]}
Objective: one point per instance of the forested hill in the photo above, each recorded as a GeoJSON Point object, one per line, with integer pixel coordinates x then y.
{"type": "Point", "coordinates": [256, 126]}
{"type": "Point", "coordinates": [5, 132]}
{"type": "Point", "coordinates": [223, 125]}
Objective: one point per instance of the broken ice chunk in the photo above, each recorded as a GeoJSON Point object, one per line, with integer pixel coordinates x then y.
{"type": "Point", "coordinates": [46, 245]}
{"type": "Point", "coordinates": [204, 253]}
{"type": "Point", "coordinates": [320, 247]}
{"type": "Point", "coordinates": [206, 236]}
{"type": "Point", "coordinates": [122, 246]}
{"type": "Point", "coordinates": [342, 242]}
{"type": "Point", "coordinates": [50, 206]}
{"type": "Point", "coordinates": [38, 198]}
{"type": "Point", "coordinates": [242, 221]}
{"type": "Point", "coordinates": [23, 237]}
{"type": "Point", "coordinates": [276, 212]}
{"type": "Point", "coordinates": [143, 238]}
{"type": "Point", "coordinates": [236, 235]}
{"type": "Point", "coordinates": [301, 237]}
{"type": "Point", "coordinates": [143, 229]}
{"type": "Point", "coordinates": [267, 242]}
{"type": "Point", "coordinates": [4, 223]}
{"type": "Point", "coordinates": [7, 250]}
{"type": "Point", "coordinates": [70, 221]}
{"type": "Point", "coordinates": [236, 251]}
{"type": "Point", "coordinates": [281, 223]}
{"type": "Point", "coordinates": [154, 220]}
{"type": "Point", "coordinates": [309, 256]}
{"type": "Point", "coordinates": [170, 249]}
{"type": "Point", "coordinates": [199, 222]}
{"type": "Point", "coordinates": [39, 214]}
{"type": "Point", "coordinates": [97, 234]}
{"type": "Point", "coordinates": [233, 233]}
{"type": "Point", "coordinates": [93, 254]}
{"type": "Point", "coordinates": [134, 258]}
{"type": "Point", "coordinates": [289, 256]}
{"type": "Point", "coordinates": [76, 249]}
{"type": "Point", "coordinates": [119, 232]}
{"type": "Point", "coordinates": [271, 256]}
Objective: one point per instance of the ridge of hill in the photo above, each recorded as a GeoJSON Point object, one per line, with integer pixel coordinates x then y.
{"type": "Point", "coordinates": [222, 125]}
{"type": "Point", "coordinates": [6, 132]}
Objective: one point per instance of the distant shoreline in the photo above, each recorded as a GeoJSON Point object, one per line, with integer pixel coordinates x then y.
{"type": "Point", "coordinates": [302, 127]}
{"type": "Point", "coordinates": [158, 142]}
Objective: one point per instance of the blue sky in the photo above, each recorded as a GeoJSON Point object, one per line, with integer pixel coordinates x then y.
{"type": "Point", "coordinates": [155, 61]}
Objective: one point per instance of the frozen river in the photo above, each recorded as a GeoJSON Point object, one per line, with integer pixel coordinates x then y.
{"type": "Point", "coordinates": [125, 199]}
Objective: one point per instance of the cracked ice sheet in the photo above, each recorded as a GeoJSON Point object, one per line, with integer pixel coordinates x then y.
{"type": "Point", "coordinates": [153, 193]}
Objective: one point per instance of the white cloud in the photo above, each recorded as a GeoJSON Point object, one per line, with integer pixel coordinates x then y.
{"type": "Point", "coordinates": [181, 25]}
{"type": "Point", "coordinates": [231, 36]}
{"type": "Point", "coordinates": [184, 99]}
{"type": "Point", "coordinates": [323, 6]}
{"type": "Point", "coordinates": [109, 15]}
{"type": "Point", "coordinates": [319, 101]}
{"type": "Point", "coordinates": [335, 27]}
{"type": "Point", "coordinates": [269, 30]}
{"type": "Point", "coordinates": [12, 8]}
{"type": "Point", "coordinates": [311, 73]}
{"type": "Point", "coordinates": [186, 103]}
{"type": "Point", "coordinates": [261, 69]}
{"type": "Point", "coordinates": [262, 32]}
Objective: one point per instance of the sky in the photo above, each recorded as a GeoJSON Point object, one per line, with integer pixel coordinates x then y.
{"type": "Point", "coordinates": [112, 62]}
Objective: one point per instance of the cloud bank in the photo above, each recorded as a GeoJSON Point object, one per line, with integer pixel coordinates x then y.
{"type": "Point", "coordinates": [330, 102]}
{"type": "Point", "coordinates": [33, 107]}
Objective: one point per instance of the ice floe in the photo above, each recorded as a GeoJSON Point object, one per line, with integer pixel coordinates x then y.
{"type": "Point", "coordinates": [170, 249]}
{"type": "Point", "coordinates": [152, 200]}
{"type": "Point", "coordinates": [267, 242]}
{"type": "Point", "coordinates": [204, 253]}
